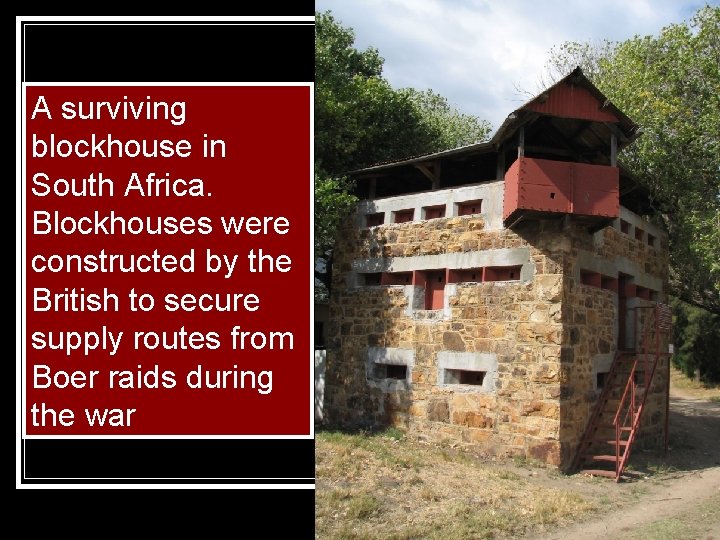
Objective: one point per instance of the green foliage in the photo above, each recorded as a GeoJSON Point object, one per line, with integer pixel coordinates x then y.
{"type": "Point", "coordinates": [450, 128]}
{"type": "Point", "coordinates": [696, 336]}
{"type": "Point", "coordinates": [361, 120]}
{"type": "Point", "coordinates": [670, 85]}
{"type": "Point", "coordinates": [333, 200]}
{"type": "Point", "coordinates": [591, 57]}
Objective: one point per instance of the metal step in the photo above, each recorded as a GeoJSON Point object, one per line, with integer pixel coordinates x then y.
{"type": "Point", "coordinates": [604, 440]}
{"type": "Point", "coordinates": [600, 457]}
{"type": "Point", "coordinates": [635, 367]}
{"type": "Point", "coordinates": [614, 442]}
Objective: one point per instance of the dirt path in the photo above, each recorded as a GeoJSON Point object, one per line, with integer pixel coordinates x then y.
{"type": "Point", "coordinates": [675, 500]}
{"type": "Point", "coordinates": [390, 486]}
{"type": "Point", "coordinates": [681, 504]}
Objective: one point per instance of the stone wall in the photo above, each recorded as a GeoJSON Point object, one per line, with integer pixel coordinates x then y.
{"type": "Point", "coordinates": [538, 341]}
{"type": "Point", "coordinates": [591, 326]}
{"type": "Point", "coordinates": [511, 329]}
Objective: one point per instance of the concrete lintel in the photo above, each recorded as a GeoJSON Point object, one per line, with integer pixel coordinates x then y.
{"type": "Point", "coordinates": [641, 277]}
{"type": "Point", "coordinates": [470, 259]}
{"type": "Point", "coordinates": [468, 361]}
{"type": "Point", "coordinates": [391, 355]}
{"type": "Point", "coordinates": [491, 194]}
{"type": "Point", "coordinates": [415, 297]}
{"type": "Point", "coordinates": [474, 361]}
{"type": "Point", "coordinates": [589, 261]}
{"type": "Point", "coordinates": [600, 364]}
{"type": "Point", "coordinates": [636, 221]}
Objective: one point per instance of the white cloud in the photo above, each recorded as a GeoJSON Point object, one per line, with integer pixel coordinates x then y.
{"type": "Point", "coordinates": [479, 54]}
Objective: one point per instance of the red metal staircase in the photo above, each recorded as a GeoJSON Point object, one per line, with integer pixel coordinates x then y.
{"type": "Point", "coordinates": [605, 447]}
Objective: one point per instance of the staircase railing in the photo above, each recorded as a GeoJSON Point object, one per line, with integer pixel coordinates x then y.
{"type": "Point", "coordinates": [626, 421]}
{"type": "Point", "coordinates": [599, 406]}
{"type": "Point", "coordinates": [630, 409]}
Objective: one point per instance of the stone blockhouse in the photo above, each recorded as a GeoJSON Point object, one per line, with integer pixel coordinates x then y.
{"type": "Point", "coordinates": [486, 295]}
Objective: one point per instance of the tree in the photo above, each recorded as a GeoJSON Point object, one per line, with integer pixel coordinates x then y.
{"type": "Point", "coordinates": [696, 337]}
{"type": "Point", "coordinates": [361, 120]}
{"type": "Point", "coordinates": [670, 85]}
{"type": "Point", "coordinates": [450, 128]}
{"type": "Point", "coordinates": [333, 201]}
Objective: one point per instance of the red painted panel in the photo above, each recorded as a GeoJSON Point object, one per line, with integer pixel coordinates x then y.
{"type": "Point", "coordinates": [501, 273]}
{"type": "Point", "coordinates": [403, 216]}
{"type": "Point", "coordinates": [546, 198]}
{"type": "Point", "coordinates": [546, 185]}
{"type": "Point", "coordinates": [630, 290]}
{"type": "Point", "coordinates": [434, 212]}
{"type": "Point", "coordinates": [396, 278]}
{"type": "Point", "coordinates": [435, 290]}
{"type": "Point", "coordinates": [468, 208]}
{"type": "Point", "coordinates": [563, 187]}
{"type": "Point", "coordinates": [609, 283]}
{"type": "Point", "coordinates": [570, 101]}
{"type": "Point", "coordinates": [465, 275]}
{"type": "Point", "coordinates": [588, 277]}
{"type": "Point", "coordinates": [643, 292]}
{"type": "Point", "coordinates": [591, 202]}
{"type": "Point", "coordinates": [373, 220]}
{"type": "Point", "coordinates": [596, 190]}
{"type": "Point", "coordinates": [512, 182]}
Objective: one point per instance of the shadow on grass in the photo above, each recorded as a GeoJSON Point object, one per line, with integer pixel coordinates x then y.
{"type": "Point", "coordinates": [329, 429]}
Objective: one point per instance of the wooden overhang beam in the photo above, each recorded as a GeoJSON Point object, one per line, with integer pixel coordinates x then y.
{"type": "Point", "coordinates": [574, 150]}
{"type": "Point", "coordinates": [521, 119]}
{"type": "Point", "coordinates": [527, 123]}
{"type": "Point", "coordinates": [548, 150]}
{"type": "Point", "coordinates": [616, 134]}
{"type": "Point", "coordinates": [617, 131]}
{"type": "Point", "coordinates": [431, 170]}
{"type": "Point", "coordinates": [582, 126]}
{"type": "Point", "coordinates": [500, 163]}
{"type": "Point", "coordinates": [628, 190]}
{"type": "Point", "coordinates": [521, 142]}
{"type": "Point", "coordinates": [372, 185]}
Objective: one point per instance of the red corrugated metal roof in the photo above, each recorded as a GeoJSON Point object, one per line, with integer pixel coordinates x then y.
{"type": "Point", "coordinates": [571, 101]}
{"type": "Point", "coordinates": [574, 96]}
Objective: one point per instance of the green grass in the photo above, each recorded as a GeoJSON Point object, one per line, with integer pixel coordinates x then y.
{"type": "Point", "coordinates": [386, 486]}
{"type": "Point", "coordinates": [689, 525]}
{"type": "Point", "coordinates": [374, 443]}
{"type": "Point", "coordinates": [363, 505]}
{"type": "Point", "coordinates": [393, 433]}
{"type": "Point", "coordinates": [505, 474]}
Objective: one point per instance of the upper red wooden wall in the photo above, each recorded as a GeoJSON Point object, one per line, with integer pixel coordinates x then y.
{"type": "Point", "coordinates": [571, 101]}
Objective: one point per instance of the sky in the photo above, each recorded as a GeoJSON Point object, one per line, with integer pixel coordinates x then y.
{"type": "Point", "coordinates": [488, 57]}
